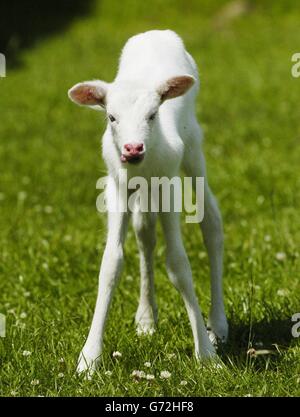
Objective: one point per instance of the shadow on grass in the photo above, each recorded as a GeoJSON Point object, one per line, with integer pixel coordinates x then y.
{"type": "Point", "coordinates": [266, 335]}
{"type": "Point", "coordinates": [22, 23]}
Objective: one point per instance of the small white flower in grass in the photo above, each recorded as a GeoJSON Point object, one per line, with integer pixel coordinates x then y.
{"type": "Point", "coordinates": [108, 373]}
{"type": "Point", "coordinates": [165, 374]}
{"type": "Point", "coordinates": [117, 354]}
{"type": "Point", "coordinates": [60, 375]}
{"type": "Point", "coordinates": [147, 364]}
{"type": "Point", "coordinates": [45, 243]}
{"type": "Point", "coordinates": [23, 315]}
{"type": "Point", "coordinates": [35, 382]}
{"type": "Point", "coordinates": [171, 355]}
{"type": "Point", "coordinates": [27, 294]}
{"type": "Point", "coordinates": [267, 238]}
{"type": "Point", "coordinates": [138, 374]}
{"type": "Point", "coordinates": [183, 382]}
{"type": "Point", "coordinates": [260, 200]}
{"type": "Point", "coordinates": [142, 332]}
{"type": "Point", "coordinates": [48, 209]}
{"type": "Point", "coordinates": [244, 223]}
{"type": "Point", "coordinates": [283, 292]}
{"type": "Point", "coordinates": [13, 393]}
{"type": "Point", "coordinates": [26, 353]}
{"type": "Point", "coordinates": [61, 360]}
{"type": "Point", "coordinates": [129, 278]}
{"type": "Point", "coordinates": [280, 256]}
{"type": "Point", "coordinates": [22, 195]}
{"type": "Point", "coordinates": [150, 377]}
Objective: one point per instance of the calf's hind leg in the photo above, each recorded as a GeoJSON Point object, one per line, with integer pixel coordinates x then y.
{"type": "Point", "coordinates": [212, 230]}
{"type": "Point", "coordinates": [180, 275]}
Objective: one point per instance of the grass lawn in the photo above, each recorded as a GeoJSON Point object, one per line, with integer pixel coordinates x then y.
{"type": "Point", "coordinates": [52, 238]}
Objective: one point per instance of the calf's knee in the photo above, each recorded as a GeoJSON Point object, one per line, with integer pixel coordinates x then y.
{"type": "Point", "coordinates": [179, 271]}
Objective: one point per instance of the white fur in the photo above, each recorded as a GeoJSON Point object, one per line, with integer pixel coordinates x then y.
{"type": "Point", "coordinates": [172, 141]}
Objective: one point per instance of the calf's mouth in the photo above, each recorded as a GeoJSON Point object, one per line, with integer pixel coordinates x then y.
{"type": "Point", "coordinates": [132, 159]}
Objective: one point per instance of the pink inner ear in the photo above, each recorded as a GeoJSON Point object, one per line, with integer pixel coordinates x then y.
{"type": "Point", "coordinates": [85, 94]}
{"type": "Point", "coordinates": [176, 87]}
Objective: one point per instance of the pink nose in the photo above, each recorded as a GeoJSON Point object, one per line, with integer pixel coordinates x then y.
{"type": "Point", "coordinates": [134, 149]}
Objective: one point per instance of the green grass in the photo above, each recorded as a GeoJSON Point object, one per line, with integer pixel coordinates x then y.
{"type": "Point", "coordinates": [52, 237]}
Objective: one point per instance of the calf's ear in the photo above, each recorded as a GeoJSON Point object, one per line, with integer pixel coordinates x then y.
{"type": "Point", "coordinates": [89, 93]}
{"type": "Point", "coordinates": [175, 87]}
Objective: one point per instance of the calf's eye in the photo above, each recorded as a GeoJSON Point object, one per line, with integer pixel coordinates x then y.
{"type": "Point", "coordinates": [111, 118]}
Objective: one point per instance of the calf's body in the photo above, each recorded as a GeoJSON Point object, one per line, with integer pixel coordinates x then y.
{"type": "Point", "coordinates": [152, 131]}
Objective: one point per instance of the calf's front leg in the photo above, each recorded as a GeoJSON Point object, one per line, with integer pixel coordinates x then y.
{"type": "Point", "coordinates": [108, 277]}
{"type": "Point", "coordinates": [146, 315]}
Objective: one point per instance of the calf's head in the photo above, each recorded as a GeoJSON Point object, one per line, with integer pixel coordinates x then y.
{"type": "Point", "coordinates": [132, 111]}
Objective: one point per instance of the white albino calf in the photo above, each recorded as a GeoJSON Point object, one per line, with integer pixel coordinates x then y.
{"type": "Point", "coordinates": [152, 131]}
